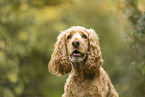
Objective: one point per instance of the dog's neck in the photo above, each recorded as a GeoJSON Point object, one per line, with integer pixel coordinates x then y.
{"type": "Point", "coordinates": [78, 68]}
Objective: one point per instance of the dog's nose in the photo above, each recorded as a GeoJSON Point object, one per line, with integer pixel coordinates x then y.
{"type": "Point", "coordinates": [76, 43]}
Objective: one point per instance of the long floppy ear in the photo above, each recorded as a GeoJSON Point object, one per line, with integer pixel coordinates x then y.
{"type": "Point", "coordinates": [94, 60]}
{"type": "Point", "coordinates": [59, 63]}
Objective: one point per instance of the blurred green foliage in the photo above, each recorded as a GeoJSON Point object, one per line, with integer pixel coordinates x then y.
{"type": "Point", "coordinates": [135, 9]}
{"type": "Point", "coordinates": [28, 31]}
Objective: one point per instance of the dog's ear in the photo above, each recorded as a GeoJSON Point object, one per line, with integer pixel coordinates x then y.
{"type": "Point", "coordinates": [94, 59]}
{"type": "Point", "coordinates": [59, 63]}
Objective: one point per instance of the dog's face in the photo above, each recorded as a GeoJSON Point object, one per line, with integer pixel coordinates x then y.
{"type": "Point", "coordinates": [77, 44]}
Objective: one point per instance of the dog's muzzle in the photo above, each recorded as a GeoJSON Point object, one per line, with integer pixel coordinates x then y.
{"type": "Point", "coordinates": [77, 56]}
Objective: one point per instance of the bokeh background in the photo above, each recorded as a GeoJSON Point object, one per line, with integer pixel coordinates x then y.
{"type": "Point", "coordinates": [28, 31]}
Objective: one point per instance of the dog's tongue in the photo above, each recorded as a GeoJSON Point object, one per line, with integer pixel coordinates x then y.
{"type": "Point", "coordinates": [76, 54]}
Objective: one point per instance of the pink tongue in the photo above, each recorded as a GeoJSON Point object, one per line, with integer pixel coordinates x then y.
{"type": "Point", "coordinates": [77, 54]}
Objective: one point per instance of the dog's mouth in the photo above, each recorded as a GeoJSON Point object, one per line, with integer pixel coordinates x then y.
{"type": "Point", "coordinates": [76, 53]}
{"type": "Point", "coordinates": [77, 56]}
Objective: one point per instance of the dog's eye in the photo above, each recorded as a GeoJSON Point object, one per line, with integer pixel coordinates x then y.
{"type": "Point", "coordinates": [69, 36]}
{"type": "Point", "coordinates": [84, 36]}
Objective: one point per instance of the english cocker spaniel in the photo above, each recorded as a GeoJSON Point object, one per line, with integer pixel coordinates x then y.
{"type": "Point", "coordinates": [77, 52]}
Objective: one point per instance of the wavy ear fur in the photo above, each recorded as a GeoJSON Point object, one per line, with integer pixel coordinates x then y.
{"type": "Point", "coordinates": [59, 63]}
{"type": "Point", "coordinates": [94, 60]}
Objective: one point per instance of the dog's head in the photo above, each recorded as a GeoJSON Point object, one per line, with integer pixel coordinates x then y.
{"type": "Point", "coordinates": [76, 44]}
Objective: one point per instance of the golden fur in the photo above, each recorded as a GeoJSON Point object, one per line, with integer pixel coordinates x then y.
{"type": "Point", "coordinates": [86, 76]}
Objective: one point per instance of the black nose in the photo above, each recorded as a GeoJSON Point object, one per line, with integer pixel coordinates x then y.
{"type": "Point", "coordinates": [75, 43]}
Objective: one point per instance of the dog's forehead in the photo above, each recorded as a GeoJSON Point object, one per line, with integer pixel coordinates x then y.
{"type": "Point", "coordinates": [76, 31]}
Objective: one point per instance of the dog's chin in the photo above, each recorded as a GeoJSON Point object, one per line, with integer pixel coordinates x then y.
{"type": "Point", "coordinates": [76, 56]}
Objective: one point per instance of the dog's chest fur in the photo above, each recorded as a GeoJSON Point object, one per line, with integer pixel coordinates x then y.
{"type": "Point", "coordinates": [96, 87]}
